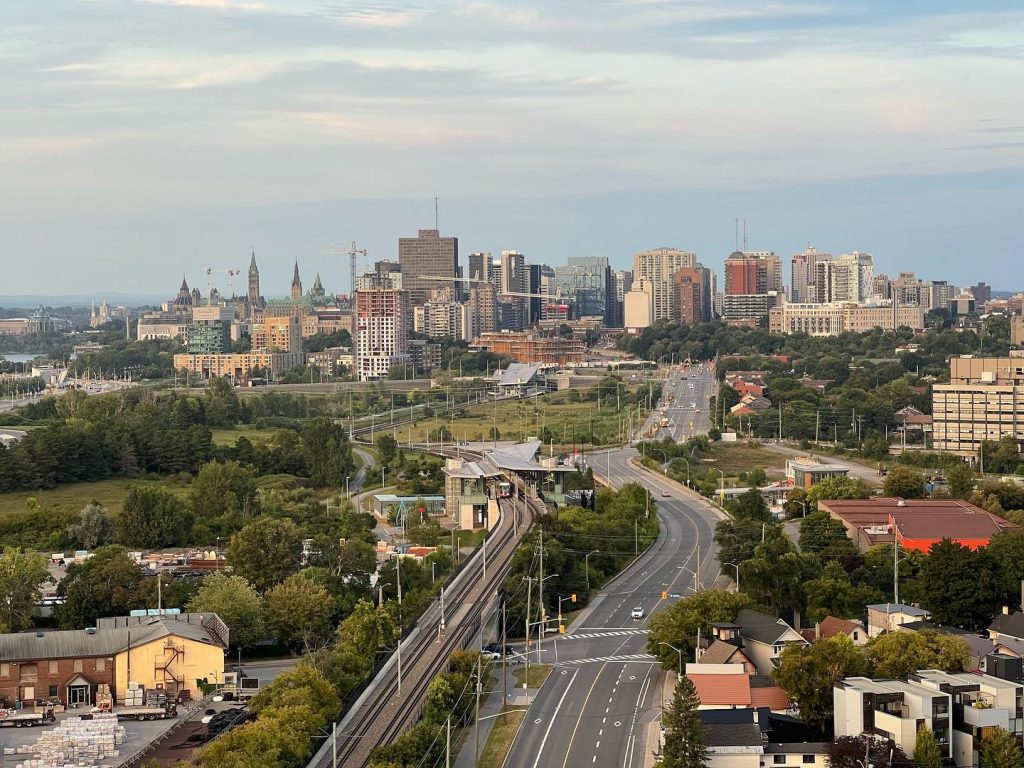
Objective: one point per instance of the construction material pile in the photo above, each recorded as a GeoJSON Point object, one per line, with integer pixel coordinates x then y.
{"type": "Point", "coordinates": [75, 743]}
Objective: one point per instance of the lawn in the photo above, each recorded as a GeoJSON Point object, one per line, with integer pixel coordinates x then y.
{"type": "Point", "coordinates": [734, 458]}
{"type": "Point", "coordinates": [499, 740]}
{"type": "Point", "coordinates": [519, 419]}
{"type": "Point", "coordinates": [538, 674]}
{"type": "Point", "coordinates": [110, 493]}
{"type": "Point", "coordinates": [227, 437]}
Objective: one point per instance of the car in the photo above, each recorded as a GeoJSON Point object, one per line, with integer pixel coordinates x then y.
{"type": "Point", "coordinates": [665, 494]}
{"type": "Point", "coordinates": [637, 613]}
{"type": "Point", "coordinates": [492, 655]}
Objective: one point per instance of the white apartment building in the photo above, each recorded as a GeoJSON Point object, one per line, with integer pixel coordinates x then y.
{"type": "Point", "coordinates": [659, 266]}
{"type": "Point", "coordinates": [382, 332]}
{"type": "Point", "coordinates": [835, 318]}
{"type": "Point", "coordinates": [984, 400]}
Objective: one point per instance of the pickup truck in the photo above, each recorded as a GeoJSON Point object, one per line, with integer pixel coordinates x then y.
{"type": "Point", "coordinates": [147, 713]}
{"type": "Point", "coordinates": [16, 718]}
{"type": "Point", "coordinates": [239, 689]}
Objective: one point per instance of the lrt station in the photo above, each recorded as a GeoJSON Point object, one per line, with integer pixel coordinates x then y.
{"type": "Point", "coordinates": [474, 487]}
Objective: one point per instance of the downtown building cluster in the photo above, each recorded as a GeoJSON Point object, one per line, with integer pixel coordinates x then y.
{"type": "Point", "coordinates": [399, 308]}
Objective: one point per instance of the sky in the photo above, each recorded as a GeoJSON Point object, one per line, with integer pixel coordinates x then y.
{"type": "Point", "coordinates": [141, 140]}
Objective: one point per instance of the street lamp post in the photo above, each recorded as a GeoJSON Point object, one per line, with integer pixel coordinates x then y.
{"type": "Point", "coordinates": [737, 574]}
{"type": "Point", "coordinates": [586, 566]}
{"type": "Point", "coordinates": [678, 651]}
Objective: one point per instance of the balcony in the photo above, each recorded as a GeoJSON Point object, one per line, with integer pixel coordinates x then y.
{"type": "Point", "coordinates": [986, 717]}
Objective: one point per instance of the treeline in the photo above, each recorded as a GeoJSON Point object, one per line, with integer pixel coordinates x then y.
{"type": "Point", "coordinates": [138, 359]}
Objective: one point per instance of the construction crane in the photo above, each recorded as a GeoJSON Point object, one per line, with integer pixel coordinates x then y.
{"type": "Point", "coordinates": [231, 273]}
{"type": "Point", "coordinates": [338, 249]}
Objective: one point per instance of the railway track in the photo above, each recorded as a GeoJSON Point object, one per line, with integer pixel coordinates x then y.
{"type": "Point", "coordinates": [380, 714]}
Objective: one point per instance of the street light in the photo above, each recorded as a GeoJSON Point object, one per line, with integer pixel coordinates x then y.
{"type": "Point", "coordinates": [677, 650]}
{"type": "Point", "coordinates": [737, 574]}
{"type": "Point", "coordinates": [586, 566]}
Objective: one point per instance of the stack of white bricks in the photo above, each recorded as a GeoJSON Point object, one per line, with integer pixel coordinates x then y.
{"type": "Point", "coordinates": [76, 743]}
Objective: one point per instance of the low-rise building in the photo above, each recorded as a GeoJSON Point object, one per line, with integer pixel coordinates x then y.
{"type": "Point", "coordinates": [763, 638]}
{"type": "Point", "coordinates": [888, 617]}
{"type": "Point", "coordinates": [167, 652]}
{"type": "Point", "coordinates": [808, 471]}
{"type": "Point", "coordinates": [525, 347]}
{"type": "Point", "coordinates": [915, 523]}
{"type": "Point", "coordinates": [837, 318]}
{"type": "Point", "coordinates": [984, 400]}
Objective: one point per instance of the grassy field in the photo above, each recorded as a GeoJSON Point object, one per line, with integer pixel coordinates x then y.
{"type": "Point", "coordinates": [222, 437]}
{"type": "Point", "coordinates": [110, 493]}
{"type": "Point", "coordinates": [734, 458]}
{"type": "Point", "coordinates": [519, 419]}
{"type": "Point", "coordinates": [499, 740]}
{"type": "Point", "coordinates": [538, 674]}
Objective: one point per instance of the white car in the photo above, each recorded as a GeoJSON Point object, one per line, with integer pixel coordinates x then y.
{"type": "Point", "coordinates": [637, 613]}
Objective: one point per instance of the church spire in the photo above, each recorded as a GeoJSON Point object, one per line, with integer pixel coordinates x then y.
{"type": "Point", "coordinates": [252, 263]}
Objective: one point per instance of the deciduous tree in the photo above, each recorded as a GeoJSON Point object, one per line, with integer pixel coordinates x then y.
{"type": "Point", "coordinates": [21, 576]}
{"type": "Point", "coordinates": [94, 527]}
{"type": "Point", "coordinates": [904, 482]}
{"type": "Point", "coordinates": [807, 673]}
{"type": "Point", "coordinates": [237, 603]}
{"type": "Point", "coordinates": [266, 551]}
{"type": "Point", "coordinates": [152, 517]}
{"type": "Point", "coordinates": [678, 624]}
{"type": "Point", "coordinates": [899, 654]}
{"type": "Point", "coordinates": [299, 612]}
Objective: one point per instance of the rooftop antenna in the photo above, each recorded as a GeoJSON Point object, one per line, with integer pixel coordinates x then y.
{"type": "Point", "coordinates": [744, 235]}
{"type": "Point", "coordinates": [435, 214]}
{"type": "Point", "coordinates": [736, 233]}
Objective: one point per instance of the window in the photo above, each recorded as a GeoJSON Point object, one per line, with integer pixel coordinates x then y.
{"type": "Point", "coordinates": [101, 665]}
{"type": "Point", "coordinates": [29, 673]}
{"type": "Point", "coordinates": [5, 670]}
{"type": "Point", "coordinates": [53, 691]}
{"type": "Point", "coordinates": [52, 667]}
{"type": "Point", "coordinates": [808, 759]}
{"type": "Point", "coordinates": [78, 665]}
{"type": "Point", "coordinates": [855, 635]}
{"type": "Point", "coordinates": [779, 759]}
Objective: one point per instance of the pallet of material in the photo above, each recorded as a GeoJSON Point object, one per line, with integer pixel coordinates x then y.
{"type": "Point", "coordinates": [75, 743]}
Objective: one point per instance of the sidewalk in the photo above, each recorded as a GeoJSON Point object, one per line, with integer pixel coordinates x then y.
{"type": "Point", "coordinates": [489, 706]}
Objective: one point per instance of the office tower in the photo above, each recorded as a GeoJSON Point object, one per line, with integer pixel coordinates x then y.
{"type": "Point", "coordinates": [535, 303]}
{"type": "Point", "coordinates": [514, 279]}
{"type": "Point", "coordinates": [296, 292]}
{"type": "Point", "coordinates": [586, 282]}
{"type": "Point", "coordinates": [802, 288]}
{"type": "Point", "coordinates": [483, 303]}
{"type": "Point", "coordinates": [481, 266]}
{"type": "Point", "coordinates": [622, 281]}
{"type": "Point", "coordinates": [658, 266]}
{"type": "Point", "coordinates": [982, 293]}
{"type": "Point", "coordinates": [428, 255]}
{"type": "Point", "coordinates": [744, 274]}
{"type": "Point", "coordinates": [382, 332]}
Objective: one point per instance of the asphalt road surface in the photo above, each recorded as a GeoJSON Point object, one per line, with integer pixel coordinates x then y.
{"type": "Point", "coordinates": [684, 403]}
{"type": "Point", "coordinates": [605, 690]}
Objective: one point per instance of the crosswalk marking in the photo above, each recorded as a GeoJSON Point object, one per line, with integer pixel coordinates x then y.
{"type": "Point", "coordinates": [627, 659]}
{"type": "Point", "coordinates": [611, 633]}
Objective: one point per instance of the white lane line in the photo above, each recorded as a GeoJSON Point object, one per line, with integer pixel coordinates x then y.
{"type": "Point", "coordinates": [631, 741]}
{"type": "Point", "coordinates": [554, 717]}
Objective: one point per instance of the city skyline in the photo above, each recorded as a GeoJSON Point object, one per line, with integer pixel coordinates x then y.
{"type": "Point", "coordinates": [143, 138]}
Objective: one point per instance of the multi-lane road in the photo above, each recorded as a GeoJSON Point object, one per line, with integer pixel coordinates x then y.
{"type": "Point", "coordinates": [684, 403]}
{"type": "Point", "coordinates": [598, 704]}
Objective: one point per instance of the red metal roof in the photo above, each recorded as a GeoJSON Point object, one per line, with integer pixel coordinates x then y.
{"type": "Point", "coordinates": [722, 690]}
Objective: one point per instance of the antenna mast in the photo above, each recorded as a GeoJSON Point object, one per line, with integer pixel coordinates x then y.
{"type": "Point", "coordinates": [435, 214]}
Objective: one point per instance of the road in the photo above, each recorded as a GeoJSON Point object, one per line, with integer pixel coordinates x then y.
{"type": "Point", "coordinates": [605, 690]}
{"type": "Point", "coordinates": [684, 402]}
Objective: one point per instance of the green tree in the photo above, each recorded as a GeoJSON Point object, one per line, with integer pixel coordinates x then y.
{"type": "Point", "coordinates": [775, 575]}
{"type": "Point", "coordinates": [220, 403]}
{"type": "Point", "coordinates": [106, 584]}
{"type": "Point", "coordinates": [848, 752]}
{"type": "Point", "coordinates": [302, 684]}
{"type": "Point", "coordinates": [902, 653]}
{"type": "Point", "coordinates": [21, 576]}
{"type": "Point", "coordinates": [224, 493]}
{"type": "Point", "coordinates": [751, 506]}
{"type": "Point", "coordinates": [837, 488]}
{"type": "Point", "coordinates": [94, 527]}
{"type": "Point", "coordinates": [904, 482]}
{"type": "Point", "coordinates": [1000, 750]}
{"type": "Point", "coordinates": [266, 551]}
{"type": "Point", "coordinates": [236, 602]}
{"type": "Point", "coordinates": [686, 736]}
{"type": "Point", "coordinates": [299, 612]}
{"type": "Point", "coordinates": [960, 586]}
{"type": "Point", "coordinates": [822, 535]}
{"type": "Point", "coordinates": [328, 453]}
{"type": "Point", "coordinates": [678, 624]}
{"type": "Point", "coordinates": [834, 594]}
{"type": "Point", "coordinates": [152, 517]}
{"type": "Point", "coordinates": [807, 673]}
{"type": "Point", "coordinates": [387, 447]}
{"type": "Point", "coordinates": [926, 748]}
{"type": "Point", "coordinates": [961, 481]}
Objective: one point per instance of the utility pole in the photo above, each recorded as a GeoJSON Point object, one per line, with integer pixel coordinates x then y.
{"type": "Point", "coordinates": [529, 589]}
{"type": "Point", "coordinates": [540, 600]}
{"type": "Point", "coordinates": [448, 743]}
{"type": "Point", "coordinates": [476, 722]}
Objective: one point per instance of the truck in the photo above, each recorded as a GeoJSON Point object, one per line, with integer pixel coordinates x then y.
{"type": "Point", "coordinates": [19, 718]}
{"type": "Point", "coordinates": [239, 688]}
{"type": "Point", "coordinates": [169, 709]}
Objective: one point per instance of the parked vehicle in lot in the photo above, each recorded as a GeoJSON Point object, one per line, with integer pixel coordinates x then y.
{"type": "Point", "coordinates": [239, 689]}
{"type": "Point", "coordinates": [19, 718]}
{"type": "Point", "coordinates": [169, 709]}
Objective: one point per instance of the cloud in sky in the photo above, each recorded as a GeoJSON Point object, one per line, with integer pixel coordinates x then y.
{"type": "Point", "coordinates": [121, 110]}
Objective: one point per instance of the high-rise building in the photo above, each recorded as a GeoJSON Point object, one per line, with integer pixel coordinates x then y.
{"type": "Point", "coordinates": [209, 332]}
{"type": "Point", "coordinates": [382, 332]}
{"type": "Point", "coordinates": [983, 401]}
{"type": "Point", "coordinates": [692, 295]}
{"type": "Point", "coordinates": [1017, 330]}
{"type": "Point", "coordinates": [622, 281]}
{"type": "Point", "coordinates": [483, 305]}
{"type": "Point", "coordinates": [514, 279]}
{"type": "Point", "coordinates": [982, 293]}
{"type": "Point", "coordinates": [424, 256]}
{"type": "Point", "coordinates": [802, 286]}
{"type": "Point", "coordinates": [534, 305]}
{"type": "Point", "coordinates": [658, 266]}
{"type": "Point", "coordinates": [296, 292]}
{"type": "Point", "coordinates": [481, 266]}
{"type": "Point", "coordinates": [744, 275]}
{"type": "Point", "coordinates": [586, 281]}
{"type": "Point", "coordinates": [385, 274]}
{"type": "Point", "coordinates": [639, 305]}
{"type": "Point", "coordinates": [846, 278]}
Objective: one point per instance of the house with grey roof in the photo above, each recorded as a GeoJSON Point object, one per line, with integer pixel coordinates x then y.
{"type": "Point", "coordinates": [764, 636]}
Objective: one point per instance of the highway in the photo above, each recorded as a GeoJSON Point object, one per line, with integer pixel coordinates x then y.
{"type": "Point", "coordinates": [596, 706]}
{"type": "Point", "coordinates": [684, 402]}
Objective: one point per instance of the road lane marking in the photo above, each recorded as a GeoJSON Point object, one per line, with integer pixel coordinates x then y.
{"type": "Point", "coordinates": [583, 708]}
{"type": "Point", "coordinates": [554, 717]}
{"type": "Point", "coordinates": [631, 740]}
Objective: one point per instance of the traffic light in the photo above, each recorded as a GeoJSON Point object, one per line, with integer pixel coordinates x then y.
{"type": "Point", "coordinates": [561, 629]}
{"type": "Point", "coordinates": [574, 597]}
{"type": "Point", "coordinates": [664, 595]}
